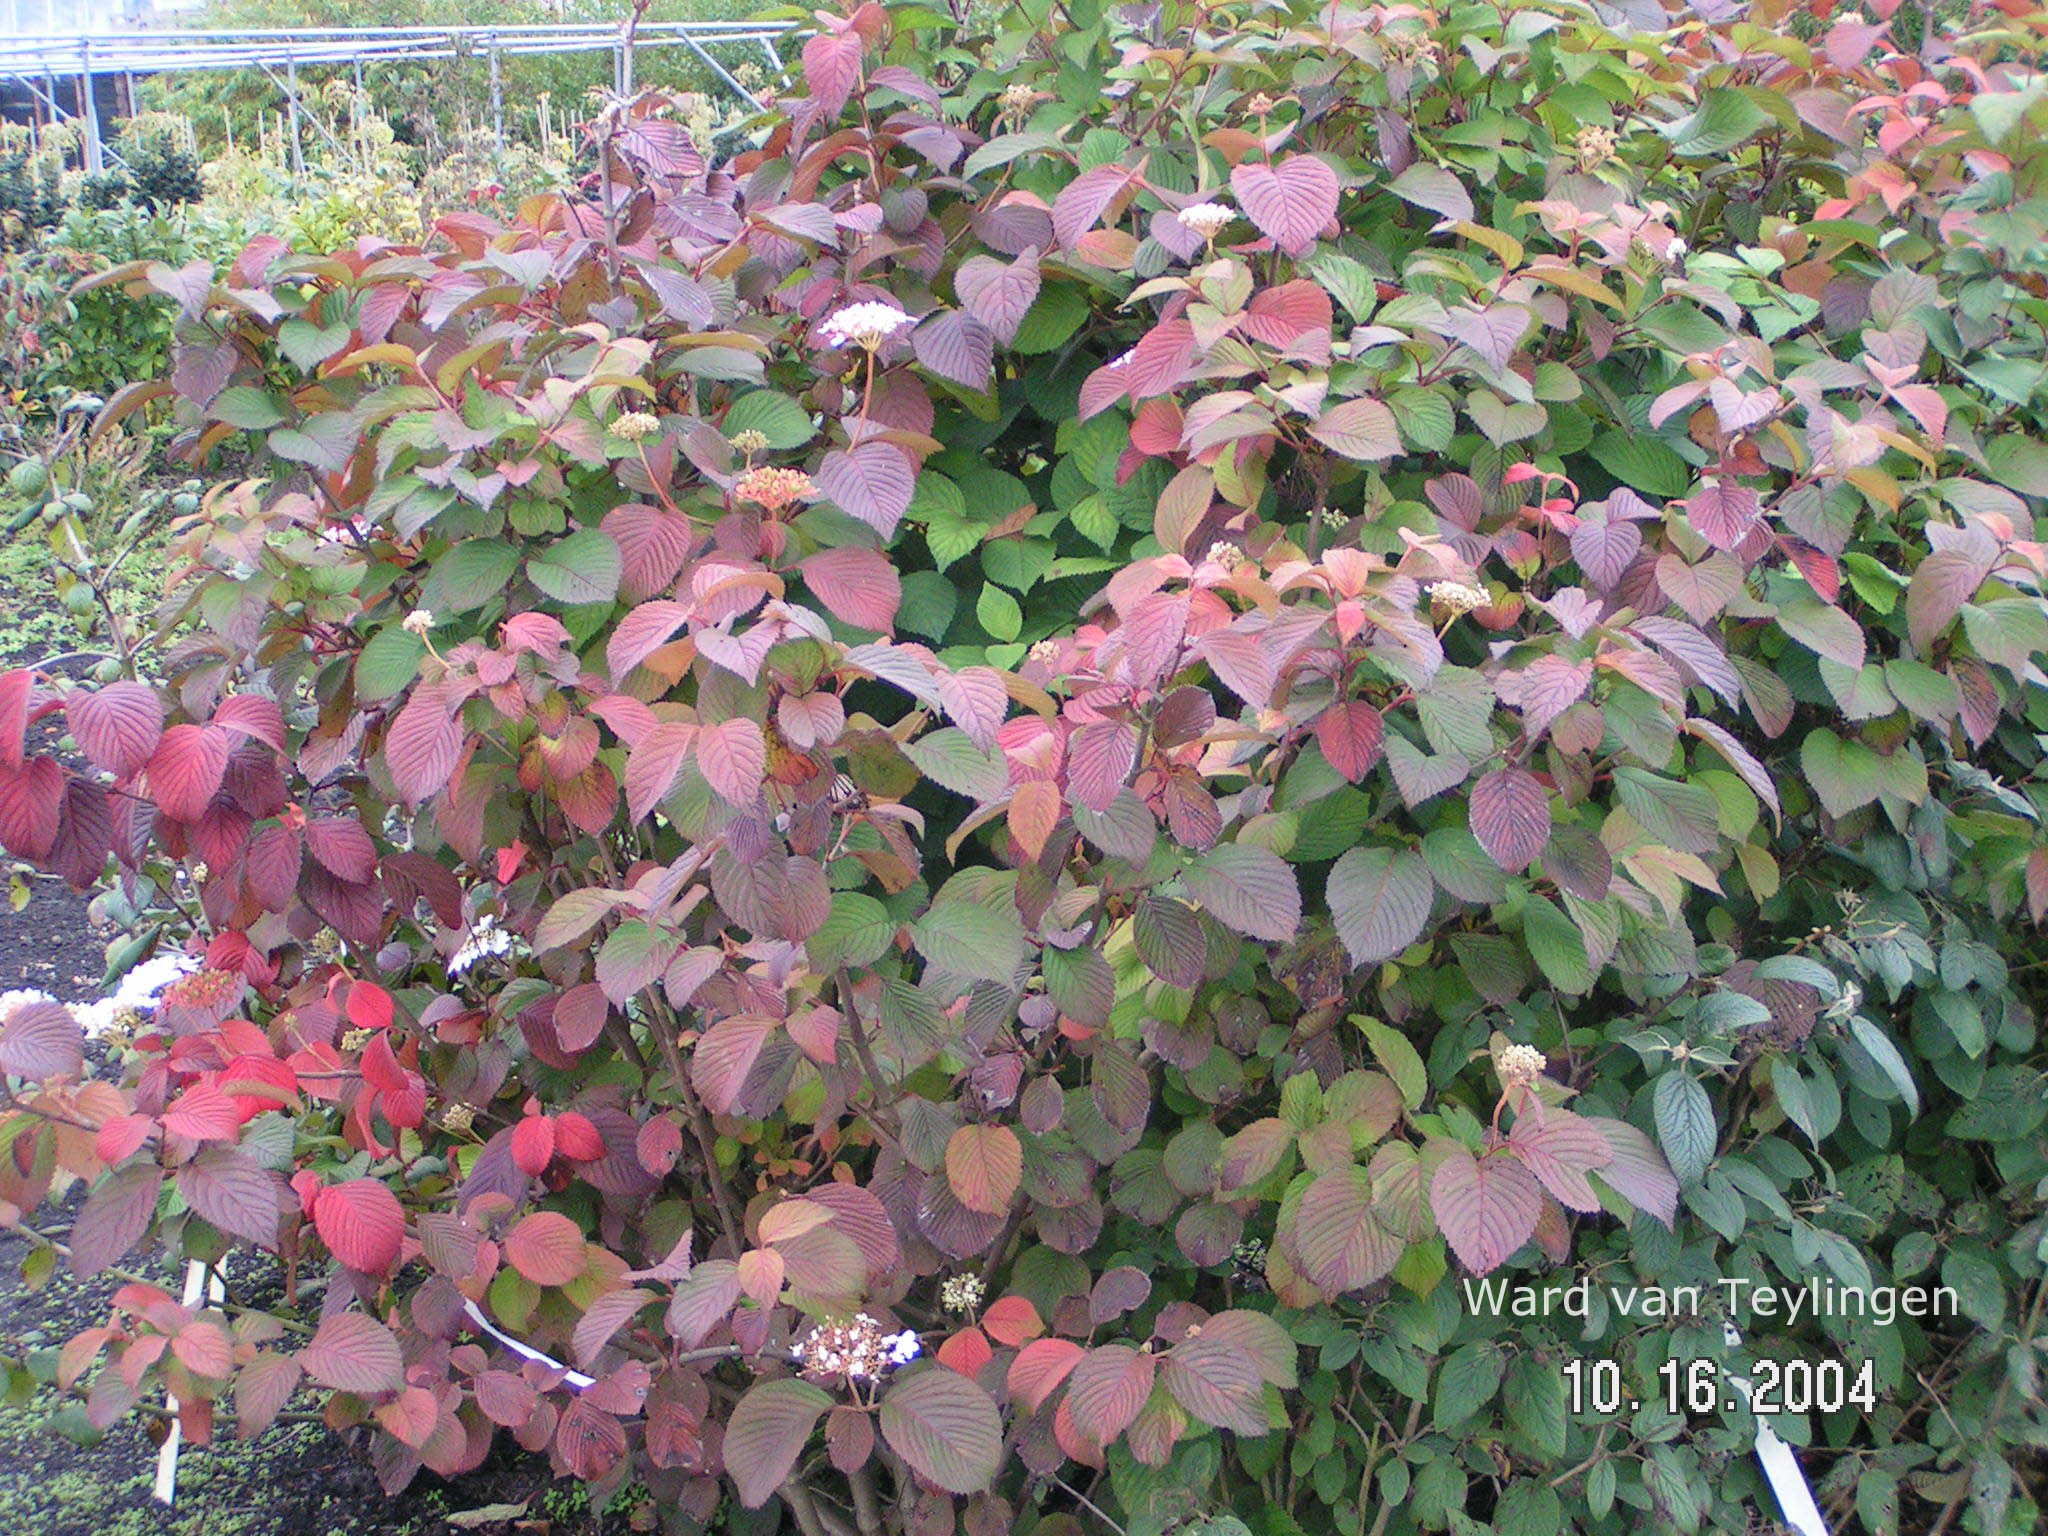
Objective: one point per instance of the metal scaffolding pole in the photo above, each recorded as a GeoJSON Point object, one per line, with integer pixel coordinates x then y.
{"type": "Point", "coordinates": [291, 68]}
{"type": "Point", "coordinates": [89, 109]}
{"type": "Point", "coordinates": [497, 98]}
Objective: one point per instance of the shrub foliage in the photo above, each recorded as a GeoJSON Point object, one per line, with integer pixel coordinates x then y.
{"type": "Point", "coordinates": [972, 801]}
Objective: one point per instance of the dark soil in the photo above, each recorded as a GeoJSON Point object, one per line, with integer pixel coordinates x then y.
{"type": "Point", "coordinates": [58, 1478]}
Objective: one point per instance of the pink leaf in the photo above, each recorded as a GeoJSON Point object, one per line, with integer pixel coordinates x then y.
{"type": "Point", "coordinates": [860, 586]}
{"type": "Point", "coordinates": [1511, 816]}
{"type": "Point", "coordinates": [872, 481]}
{"type": "Point", "coordinates": [1487, 1207]}
{"type": "Point", "coordinates": [832, 69]}
{"type": "Point", "coordinates": [1350, 734]}
{"type": "Point", "coordinates": [999, 294]}
{"type": "Point", "coordinates": [353, 1352]}
{"type": "Point", "coordinates": [1289, 200]}
{"type": "Point", "coordinates": [362, 1225]}
{"type": "Point", "coordinates": [733, 756]}
{"type": "Point", "coordinates": [975, 699]}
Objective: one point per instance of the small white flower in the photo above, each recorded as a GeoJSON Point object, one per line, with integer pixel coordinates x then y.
{"type": "Point", "coordinates": [636, 425]}
{"type": "Point", "coordinates": [1205, 219]}
{"type": "Point", "coordinates": [1458, 596]}
{"type": "Point", "coordinates": [1227, 555]}
{"type": "Point", "coordinates": [902, 1347]}
{"type": "Point", "coordinates": [418, 622]}
{"type": "Point", "coordinates": [1520, 1065]}
{"type": "Point", "coordinates": [867, 325]}
{"type": "Point", "coordinates": [962, 1293]}
{"type": "Point", "coordinates": [486, 938]}
{"type": "Point", "coordinates": [1676, 250]}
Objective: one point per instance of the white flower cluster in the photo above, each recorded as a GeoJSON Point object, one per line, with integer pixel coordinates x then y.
{"type": "Point", "coordinates": [485, 939]}
{"type": "Point", "coordinates": [867, 325]}
{"type": "Point", "coordinates": [418, 622]}
{"type": "Point", "coordinates": [855, 1348]}
{"type": "Point", "coordinates": [1205, 219]}
{"type": "Point", "coordinates": [1458, 596]}
{"type": "Point", "coordinates": [962, 1293]}
{"type": "Point", "coordinates": [1520, 1065]}
{"type": "Point", "coordinates": [635, 426]}
{"type": "Point", "coordinates": [1227, 555]}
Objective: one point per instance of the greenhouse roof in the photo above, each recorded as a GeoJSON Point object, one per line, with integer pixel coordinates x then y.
{"type": "Point", "coordinates": [31, 56]}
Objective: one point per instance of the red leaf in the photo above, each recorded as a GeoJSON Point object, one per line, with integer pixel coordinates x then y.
{"type": "Point", "coordinates": [1350, 734]}
{"type": "Point", "coordinates": [352, 1352]}
{"type": "Point", "coordinates": [547, 1248]}
{"type": "Point", "coordinates": [1289, 200]}
{"type": "Point", "coordinates": [999, 294]}
{"type": "Point", "coordinates": [1012, 1320]}
{"type": "Point", "coordinates": [1511, 817]}
{"type": "Point", "coordinates": [641, 633]}
{"type": "Point", "coordinates": [1358, 429]}
{"type": "Point", "coordinates": [726, 1055]}
{"type": "Point", "coordinates": [956, 347]}
{"type": "Point", "coordinates": [271, 864]}
{"type": "Point", "coordinates": [204, 1350]}
{"type": "Point", "coordinates": [1099, 757]}
{"type": "Point", "coordinates": [369, 1005]}
{"type": "Point", "coordinates": [343, 848]}
{"type": "Point", "coordinates": [423, 744]}
{"type": "Point", "coordinates": [653, 763]}
{"type": "Point", "coordinates": [733, 756]}
{"type": "Point", "coordinates": [533, 1144]}
{"type": "Point", "coordinates": [116, 726]}
{"type": "Point", "coordinates": [15, 688]}
{"type": "Point", "coordinates": [1560, 1149]}
{"type": "Point", "coordinates": [1487, 1207]}
{"type": "Point", "coordinates": [577, 1139]}
{"type": "Point", "coordinates": [966, 1352]}
{"type": "Point", "coordinates": [224, 1185]}
{"type": "Point", "coordinates": [860, 586]}
{"type": "Point", "coordinates": [362, 1225]}
{"type": "Point", "coordinates": [31, 807]}
{"type": "Point", "coordinates": [203, 1113]}
{"type": "Point", "coordinates": [185, 770]}
{"type": "Point", "coordinates": [251, 715]}
{"type": "Point", "coordinates": [1342, 1243]}
{"type": "Point", "coordinates": [1040, 1367]}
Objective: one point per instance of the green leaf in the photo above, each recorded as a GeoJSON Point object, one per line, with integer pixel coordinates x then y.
{"type": "Point", "coordinates": [1641, 463]}
{"type": "Point", "coordinates": [780, 419]}
{"type": "Point", "coordinates": [1724, 119]}
{"type": "Point", "coordinates": [1466, 1382]}
{"type": "Point", "coordinates": [1557, 946]}
{"type": "Point", "coordinates": [1392, 1050]}
{"type": "Point", "coordinates": [470, 575]}
{"type": "Point", "coordinates": [251, 409]}
{"type": "Point", "coordinates": [585, 567]}
{"type": "Point", "coordinates": [388, 663]}
{"type": "Point", "coordinates": [998, 613]}
{"type": "Point", "coordinates": [970, 940]}
{"type": "Point", "coordinates": [1685, 1124]}
{"type": "Point", "coordinates": [856, 932]}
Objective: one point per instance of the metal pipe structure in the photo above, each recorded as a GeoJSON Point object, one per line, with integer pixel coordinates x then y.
{"type": "Point", "coordinates": [31, 55]}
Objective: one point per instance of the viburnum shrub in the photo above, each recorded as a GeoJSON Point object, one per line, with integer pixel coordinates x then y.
{"type": "Point", "coordinates": [961, 810]}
